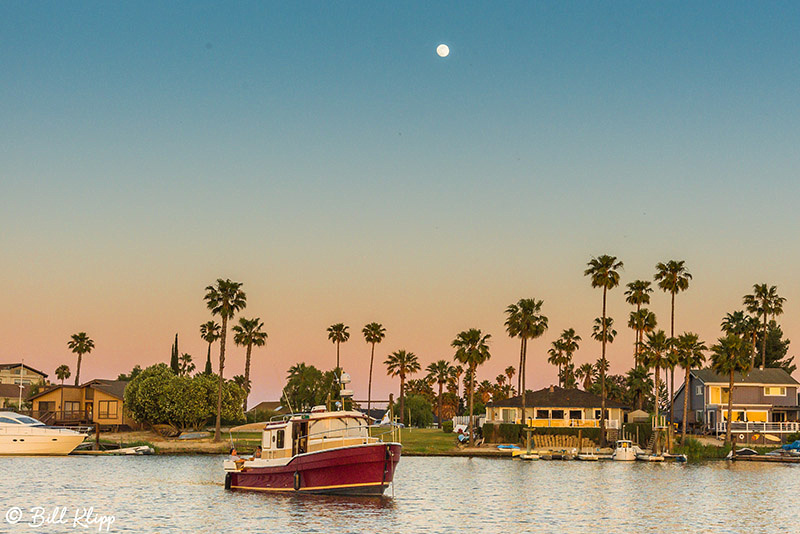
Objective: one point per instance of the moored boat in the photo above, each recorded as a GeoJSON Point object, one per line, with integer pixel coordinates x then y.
{"type": "Point", "coordinates": [23, 435]}
{"type": "Point", "coordinates": [625, 451]}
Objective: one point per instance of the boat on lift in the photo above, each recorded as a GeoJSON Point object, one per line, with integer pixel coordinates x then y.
{"type": "Point", "coordinates": [323, 452]}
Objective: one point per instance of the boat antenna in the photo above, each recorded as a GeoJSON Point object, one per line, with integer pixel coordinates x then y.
{"type": "Point", "coordinates": [286, 398]}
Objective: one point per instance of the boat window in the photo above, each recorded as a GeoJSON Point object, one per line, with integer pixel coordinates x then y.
{"type": "Point", "coordinates": [280, 439]}
{"type": "Point", "coordinates": [9, 421]}
{"type": "Point", "coordinates": [29, 420]}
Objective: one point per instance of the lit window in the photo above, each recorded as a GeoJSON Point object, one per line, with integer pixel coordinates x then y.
{"type": "Point", "coordinates": [774, 391]}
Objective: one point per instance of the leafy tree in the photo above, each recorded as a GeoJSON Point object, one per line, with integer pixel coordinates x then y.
{"type": "Point", "coordinates": [80, 344]}
{"type": "Point", "coordinates": [603, 272]}
{"type": "Point", "coordinates": [691, 355]}
{"type": "Point", "coordinates": [305, 387]}
{"type": "Point", "coordinates": [776, 349]}
{"type": "Point", "coordinates": [401, 363]}
{"type": "Point", "coordinates": [185, 365]}
{"type": "Point", "coordinates": [249, 333]}
{"type": "Point", "coordinates": [729, 356]}
{"type": "Point", "coordinates": [764, 301]}
{"type": "Point", "coordinates": [225, 299]}
{"type": "Point", "coordinates": [439, 372]}
{"type": "Point", "coordinates": [472, 349]}
{"type": "Point", "coordinates": [420, 386]}
{"type": "Point", "coordinates": [525, 321]}
{"type": "Point", "coordinates": [209, 332]}
{"type": "Point", "coordinates": [419, 410]}
{"type": "Point", "coordinates": [374, 333]}
{"type": "Point", "coordinates": [639, 385]}
{"type": "Point", "coordinates": [136, 371]}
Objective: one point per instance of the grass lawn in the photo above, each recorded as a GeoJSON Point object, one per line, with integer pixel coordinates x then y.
{"type": "Point", "coordinates": [422, 440]}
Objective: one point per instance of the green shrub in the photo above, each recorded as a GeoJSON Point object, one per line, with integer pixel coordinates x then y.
{"type": "Point", "coordinates": [791, 438]}
{"type": "Point", "coordinates": [447, 427]}
{"type": "Point", "coordinates": [502, 433]}
{"type": "Point", "coordinates": [420, 411]}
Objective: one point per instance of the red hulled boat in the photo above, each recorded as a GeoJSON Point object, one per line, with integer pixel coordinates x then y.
{"type": "Point", "coordinates": [329, 452]}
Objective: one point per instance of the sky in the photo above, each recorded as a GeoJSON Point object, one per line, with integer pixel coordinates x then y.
{"type": "Point", "coordinates": [326, 157]}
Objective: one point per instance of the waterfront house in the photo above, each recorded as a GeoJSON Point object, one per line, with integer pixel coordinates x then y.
{"type": "Point", "coordinates": [556, 407]}
{"type": "Point", "coordinates": [19, 373]}
{"type": "Point", "coordinates": [764, 400]}
{"type": "Point", "coordinates": [10, 395]}
{"type": "Point", "coordinates": [95, 402]}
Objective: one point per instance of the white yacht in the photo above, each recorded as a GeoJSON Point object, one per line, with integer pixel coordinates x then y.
{"type": "Point", "coordinates": [625, 451]}
{"type": "Point", "coordinates": [23, 435]}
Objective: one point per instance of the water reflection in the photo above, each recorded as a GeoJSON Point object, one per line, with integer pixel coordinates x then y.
{"type": "Point", "coordinates": [437, 495]}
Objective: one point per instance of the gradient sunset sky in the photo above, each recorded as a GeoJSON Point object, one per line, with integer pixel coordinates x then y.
{"type": "Point", "coordinates": [326, 157]}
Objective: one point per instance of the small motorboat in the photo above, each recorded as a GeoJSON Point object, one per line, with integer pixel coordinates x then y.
{"type": "Point", "coordinates": [647, 457]}
{"type": "Point", "coordinates": [625, 451]}
{"type": "Point", "coordinates": [587, 457]}
{"type": "Point", "coordinates": [528, 456]}
{"type": "Point", "coordinates": [675, 457]}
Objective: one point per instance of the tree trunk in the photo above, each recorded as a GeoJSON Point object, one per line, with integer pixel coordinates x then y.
{"type": "Point", "coordinates": [78, 371]}
{"type": "Point", "coordinates": [247, 375]}
{"type": "Point", "coordinates": [440, 404]}
{"type": "Point", "coordinates": [671, 348]}
{"type": "Point", "coordinates": [603, 378]}
{"type": "Point", "coordinates": [671, 392]}
{"type": "Point", "coordinates": [521, 357]}
{"type": "Point", "coordinates": [524, 352]}
{"type": "Point", "coordinates": [402, 398]}
{"type": "Point", "coordinates": [217, 435]}
{"type": "Point", "coordinates": [730, 406]}
{"type": "Point", "coordinates": [764, 344]}
{"type": "Point", "coordinates": [472, 404]}
{"type": "Point", "coordinates": [369, 383]}
{"type": "Point", "coordinates": [686, 394]}
{"type": "Point", "coordinates": [655, 394]}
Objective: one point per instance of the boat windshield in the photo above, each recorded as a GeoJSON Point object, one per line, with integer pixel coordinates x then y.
{"type": "Point", "coordinates": [29, 421]}
{"type": "Point", "coordinates": [9, 421]}
{"type": "Point", "coordinates": [19, 420]}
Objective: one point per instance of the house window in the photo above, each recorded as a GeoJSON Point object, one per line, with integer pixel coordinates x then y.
{"type": "Point", "coordinates": [557, 414]}
{"type": "Point", "coordinates": [509, 414]}
{"type": "Point", "coordinates": [698, 416]}
{"type": "Point", "coordinates": [698, 391]}
{"type": "Point", "coordinates": [597, 413]}
{"type": "Point", "coordinates": [778, 417]}
{"type": "Point", "coordinates": [774, 391]}
{"type": "Point", "coordinates": [542, 414]}
{"type": "Point", "coordinates": [89, 394]}
{"type": "Point", "coordinates": [48, 406]}
{"type": "Point", "coordinates": [718, 395]}
{"type": "Point", "coordinates": [108, 409]}
{"type": "Point", "coordinates": [72, 408]}
{"type": "Point", "coordinates": [576, 414]}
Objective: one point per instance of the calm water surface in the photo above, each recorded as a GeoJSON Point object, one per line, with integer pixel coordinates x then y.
{"type": "Point", "coordinates": [437, 495]}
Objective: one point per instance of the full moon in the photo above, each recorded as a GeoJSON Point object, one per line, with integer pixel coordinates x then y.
{"type": "Point", "coordinates": [443, 50]}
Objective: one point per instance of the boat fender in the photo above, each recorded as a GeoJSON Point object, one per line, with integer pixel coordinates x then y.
{"type": "Point", "coordinates": [227, 481]}
{"type": "Point", "coordinates": [297, 480]}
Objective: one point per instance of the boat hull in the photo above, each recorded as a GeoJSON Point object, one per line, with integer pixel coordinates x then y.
{"type": "Point", "coordinates": [360, 470]}
{"type": "Point", "coordinates": [35, 445]}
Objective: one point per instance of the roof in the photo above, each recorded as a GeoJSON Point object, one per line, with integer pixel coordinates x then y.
{"type": "Point", "coordinates": [273, 406]}
{"type": "Point", "coordinates": [556, 397]}
{"type": "Point", "coordinates": [11, 391]}
{"type": "Point", "coordinates": [115, 388]}
{"type": "Point", "coordinates": [772, 375]}
{"type": "Point", "coordinates": [4, 366]}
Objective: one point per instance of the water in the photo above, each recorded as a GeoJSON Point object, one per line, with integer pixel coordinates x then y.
{"type": "Point", "coordinates": [432, 495]}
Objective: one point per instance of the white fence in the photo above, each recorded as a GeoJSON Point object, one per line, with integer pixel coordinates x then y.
{"type": "Point", "coordinates": [751, 427]}
{"type": "Point", "coordinates": [464, 420]}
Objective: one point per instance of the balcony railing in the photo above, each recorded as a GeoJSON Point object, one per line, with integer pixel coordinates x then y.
{"type": "Point", "coordinates": [750, 427]}
{"type": "Point", "coordinates": [60, 417]}
{"type": "Point", "coordinates": [565, 423]}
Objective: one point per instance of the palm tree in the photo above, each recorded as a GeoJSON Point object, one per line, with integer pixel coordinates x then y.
{"type": "Point", "coordinates": [185, 365]}
{"type": "Point", "coordinates": [598, 331]}
{"type": "Point", "coordinates": [249, 333]}
{"type": "Point", "coordinates": [439, 372]}
{"type": "Point", "coordinates": [642, 321]}
{"type": "Point", "coordinates": [639, 384]}
{"type": "Point", "coordinates": [525, 321]}
{"type": "Point", "coordinates": [224, 299]}
{"type": "Point", "coordinates": [62, 372]}
{"type": "Point", "coordinates": [401, 363]}
{"type": "Point", "coordinates": [672, 277]}
{"type": "Point", "coordinates": [209, 332]}
{"type": "Point", "coordinates": [585, 372]}
{"type": "Point", "coordinates": [373, 333]}
{"type": "Point", "coordinates": [764, 301]}
{"type": "Point", "coordinates": [338, 334]}
{"type": "Point", "coordinates": [556, 357]}
{"type": "Point", "coordinates": [691, 355]}
{"type": "Point", "coordinates": [603, 273]}
{"type": "Point", "coordinates": [655, 356]}
{"type": "Point", "coordinates": [80, 344]}
{"type": "Point", "coordinates": [729, 356]}
{"type": "Point", "coordinates": [637, 294]}
{"type": "Point", "coordinates": [472, 349]}
{"type": "Point", "coordinates": [510, 372]}
{"type": "Point", "coordinates": [457, 372]}
{"type": "Point", "coordinates": [570, 342]}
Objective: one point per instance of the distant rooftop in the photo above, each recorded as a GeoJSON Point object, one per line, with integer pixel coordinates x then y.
{"type": "Point", "coordinates": [4, 366]}
{"type": "Point", "coordinates": [772, 375]}
{"type": "Point", "coordinates": [556, 397]}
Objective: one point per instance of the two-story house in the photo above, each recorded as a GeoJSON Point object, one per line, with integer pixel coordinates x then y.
{"type": "Point", "coordinates": [764, 400]}
{"type": "Point", "coordinates": [97, 401]}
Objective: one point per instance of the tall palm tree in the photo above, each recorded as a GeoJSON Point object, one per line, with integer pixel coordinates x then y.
{"type": "Point", "coordinates": [556, 357]}
{"type": "Point", "coordinates": [248, 333]}
{"type": "Point", "coordinates": [401, 363]}
{"type": "Point", "coordinates": [338, 334]}
{"type": "Point", "coordinates": [598, 330]}
{"type": "Point", "coordinates": [639, 384]}
{"type": "Point", "coordinates": [603, 272]}
{"type": "Point", "coordinates": [691, 355]}
{"type": "Point", "coordinates": [642, 321]}
{"type": "Point", "coordinates": [655, 355]}
{"type": "Point", "coordinates": [637, 294]}
{"type": "Point", "coordinates": [764, 301]}
{"type": "Point", "coordinates": [62, 372]}
{"type": "Point", "coordinates": [570, 341]}
{"type": "Point", "coordinates": [672, 277]}
{"type": "Point", "coordinates": [472, 349]}
{"type": "Point", "coordinates": [373, 333]}
{"type": "Point", "coordinates": [525, 321]}
{"type": "Point", "coordinates": [510, 371]}
{"type": "Point", "coordinates": [80, 344]}
{"type": "Point", "coordinates": [439, 372]}
{"type": "Point", "coordinates": [729, 356]}
{"type": "Point", "coordinates": [209, 332]}
{"type": "Point", "coordinates": [225, 299]}
{"type": "Point", "coordinates": [585, 372]}
{"type": "Point", "coordinates": [457, 372]}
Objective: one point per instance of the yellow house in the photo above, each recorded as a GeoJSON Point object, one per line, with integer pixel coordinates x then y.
{"type": "Point", "coordinates": [558, 408]}
{"type": "Point", "coordinates": [95, 402]}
